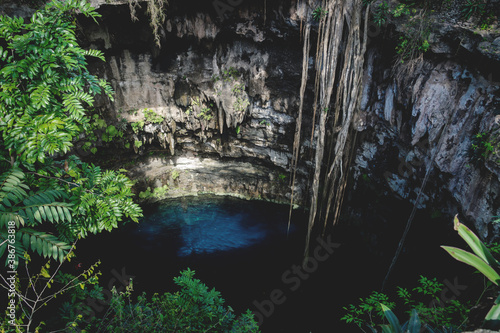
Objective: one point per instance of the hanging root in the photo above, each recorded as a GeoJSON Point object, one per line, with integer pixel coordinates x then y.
{"type": "Point", "coordinates": [346, 81]}
{"type": "Point", "coordinates": [298, 125]}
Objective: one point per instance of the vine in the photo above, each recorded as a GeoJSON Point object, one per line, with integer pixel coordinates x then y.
{"type": "Point", "coordinates": [156, 12]}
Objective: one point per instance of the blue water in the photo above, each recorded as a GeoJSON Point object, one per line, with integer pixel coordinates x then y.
{"type": "Point", "coordinates": [215, 225]}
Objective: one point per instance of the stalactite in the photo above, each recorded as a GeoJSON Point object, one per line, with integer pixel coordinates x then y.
{"type": "Point", "coordinates": [339, 73]}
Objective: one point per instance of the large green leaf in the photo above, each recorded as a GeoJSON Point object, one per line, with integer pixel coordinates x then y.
{"type": "Point", "coordinates": [392, 319]}
{"type": "Point", "coordinates": [414, 323]}
{"type": "Point", "coordinates": [475, 243]}
{"type": "Point", "coordinates": [474, 261]}
{"type": "Point", "coordinates": [492, 319]}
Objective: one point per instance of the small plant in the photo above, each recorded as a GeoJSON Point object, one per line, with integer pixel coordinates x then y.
{"type": "Point", "coordinates": [473, 8]}
{"type": "Point", "coordinates": [175, 174]}
{"type": "Point", "coordinates": [319, 13]}
{"type": "Point", "coordinates": [482, 147]}
{"type": "Point", "coordinates": [157, 193]}
{"type": "Point", "coordinates": [380, 15]}
{"type": "Point", "coordinates": [230, 74]}
{"type": "Point", "coordinates": [241, 104]}
{"type": "Point", "coordinates": [238, 88]}
{"type": "Point", "coordinates": [194, 102]}
{"type": "Point", "coordinates": [401, 9]}
{"type": "Point", "coordinates": [152, 117]}
{"type": "Point", "coordinates": [282, 177]}
{"type": "Point", "coordinates": [160, 192]}
{"type": "Point", "coordinates": [111, 133]}
{"type": "Point", "coordinates": [206, 113]}
{"type": "Point", "coordinates": [137, 126]}
{"type": "Point", "coordinates": [424, 299]}
{"type": "Point", "coordinates": [138, 144]}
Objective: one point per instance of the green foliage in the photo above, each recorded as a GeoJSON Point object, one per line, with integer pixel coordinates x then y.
{"type": "Point", "coordinates": [366, 313]}
{"type": "Point", "coordinates": [319, 13]}
{"type": "Point", "coordinates": [482, 146]}
{"type": "Point", "coordinates": [175, 174]}
{"type": "Point", "coordinates": [241, 104]}
{"type": "Point", "coordinates": [111, 133]}
{"type": "Point", "coordinates": [426, 303]}
{"type": "Point", "coordinates": [416, 30]}
{"type": "Point", "coordinates": [230, 74]}
{"type": "Point", "coordinates": [194, 308]}
{"type": "Point", "coordinates": [44, 87]}
{"type": "Point", "coordinates": [137, 126]}
{"type": "Point", "coordinates": [93, 201]}
{"type": "Point", "coordinates": [412, 326]}
{"type": "Point", "coordinates": [473, 8]}
{"type": "Point", "coordinates": [152, 117]}
{"type": "Point", "coordinates": [39, 289]}
{"type": "Point", "coordinates": [137, 144]}
{"type": "Point", "coordinates": [44, 82]}
{"type": "Point", "coordinates": [46, 204]}
{"type": "Point", "coordinates": [380, 15]}
{"type": "Point", "coordinates": [401, 9]}
{"type": "Point", "coordinates": [157, 193]}
{"type": "Point", "coordinates": [204, 112]}
{"type": "Point", "coordinates": [482, 260]}
{"type": "Point", "coordinates": [21, 209]}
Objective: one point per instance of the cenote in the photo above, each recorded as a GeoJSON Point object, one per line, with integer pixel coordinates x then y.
{"type": "Point", "coordinates": [245, 250]}
{"type": "Point", "coordinates": [357, 113]}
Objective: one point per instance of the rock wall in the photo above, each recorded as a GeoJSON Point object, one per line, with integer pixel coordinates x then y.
{"type": "Point", "coordinates": [428, 121]}
{"type": "Point", "coordinates": [225, 85]}
{"type": "Point", "coordinates": [228, 92]}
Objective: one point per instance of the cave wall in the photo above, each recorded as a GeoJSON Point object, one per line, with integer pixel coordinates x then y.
{"type": "Point", "coordinates": [244, 66]}
{"type": "Point", "coordinates": [403, 125]}
{"type": "Point", "coordinates": [227, 92]}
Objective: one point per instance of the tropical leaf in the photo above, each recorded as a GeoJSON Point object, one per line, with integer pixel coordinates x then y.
{"type": "Point", "coordinates": [474, 261]}
{"type": "Point", "coordinates": [475, 243]}
{"type": "Point", "coordinates": [414, 323]}
{"type": "Point", "coordinates": [392, 319]}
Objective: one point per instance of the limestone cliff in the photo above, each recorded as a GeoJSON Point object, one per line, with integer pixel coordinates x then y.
{"type": "Point", "coordinates": [224, 90]}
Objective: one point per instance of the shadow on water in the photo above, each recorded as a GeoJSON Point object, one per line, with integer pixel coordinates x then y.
{"type": "Point", "coordinates": [242, 249]}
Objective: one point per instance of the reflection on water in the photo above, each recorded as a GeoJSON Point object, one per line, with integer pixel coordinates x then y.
{"type": "Point", "coordinates": [204, 227]}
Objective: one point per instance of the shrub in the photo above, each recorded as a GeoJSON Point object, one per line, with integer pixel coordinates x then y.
{"type": "Point", "coordinates": [194, 308]}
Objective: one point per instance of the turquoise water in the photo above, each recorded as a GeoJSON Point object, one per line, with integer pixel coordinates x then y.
{"type": "Point", "coordinates": [211, 226]}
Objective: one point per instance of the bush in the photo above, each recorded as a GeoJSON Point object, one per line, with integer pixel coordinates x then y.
{"type": "Point", "coordinates": [194, 308]}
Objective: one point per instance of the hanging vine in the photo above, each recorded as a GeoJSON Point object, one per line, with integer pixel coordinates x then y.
{"type": "Point", "coordinates": [156, 12]}
{"type": "Point", "coordinates": [339, 69]}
